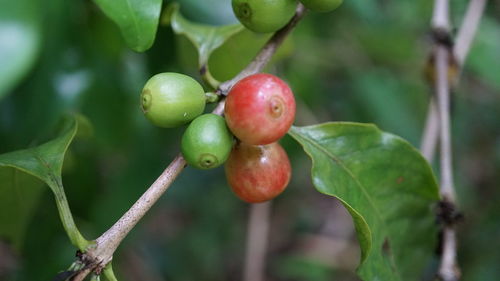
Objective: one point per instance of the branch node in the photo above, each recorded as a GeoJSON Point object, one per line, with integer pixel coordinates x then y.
{"type": "Point", "coordinates": [448, 214]}
{"type": "Point", "coordinates": [442, 36]}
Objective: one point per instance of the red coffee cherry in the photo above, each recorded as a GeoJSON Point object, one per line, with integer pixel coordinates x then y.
{"type": "Point", "coordinates": [258, 173]}
{"type": "Point", "coordinates": [260, 109]}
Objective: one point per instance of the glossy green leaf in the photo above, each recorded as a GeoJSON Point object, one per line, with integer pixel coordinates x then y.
{"type": "Point", "coordinates": [205, 38]}
{"type": "Point", "coordinates": [387, 187]}
{"type": "Point", "coordinates": [137, 19]}
{"type": "Point", "coordinates": [45, 162]}
{"type": "Point", "coordinates": [19, 41]}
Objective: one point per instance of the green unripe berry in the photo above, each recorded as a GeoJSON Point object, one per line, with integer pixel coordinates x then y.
{"type": "Point", "coordinates": [321, 5]}
{"type": "Point", "coordinates": [207, 142]}
{"type": "Point", "coordinates": [264, 15]}
{"type": "Point", "coordinates": [172, 99]}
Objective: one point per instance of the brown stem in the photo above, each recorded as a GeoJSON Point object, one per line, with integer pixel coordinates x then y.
{"type": "Point", "coordinates": [102, 252]}
{"type": "Point", "coordinates": [107, 243]}
{"type": "Point", "coordinates": [82, 274]}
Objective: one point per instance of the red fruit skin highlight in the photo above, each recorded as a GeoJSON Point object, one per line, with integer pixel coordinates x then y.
{"type": "Point", "coordinates": [258, 173]}
{"type": "Point", "coordinates": [260, 109]}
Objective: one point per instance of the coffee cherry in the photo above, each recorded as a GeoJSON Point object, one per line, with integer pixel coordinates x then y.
{"type": "Point", "coordinates": [264, 15]}
{"type": "Point", "coordinates": [207, 142]}
{"type": "Point", "coordinates": [172, 99]}
{"type": "Point", "coordinates": [322, 5]}
{"type": "Point", "coordinates": [258, 173]}
{"type": "Point", "coordinates": [260, 109]}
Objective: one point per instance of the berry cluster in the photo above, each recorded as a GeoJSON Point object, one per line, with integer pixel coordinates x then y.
{"type": "Point", "coordinates": [259, 110]}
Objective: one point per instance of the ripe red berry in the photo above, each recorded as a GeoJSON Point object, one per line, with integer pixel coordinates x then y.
{"type": "Point", "coordinates": [257, 173]}
{"type": "Point", "coordinates": [260, 109]}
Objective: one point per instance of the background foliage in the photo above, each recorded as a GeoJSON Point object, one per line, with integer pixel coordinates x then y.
{"type": "Point", "coordinates": [361, 63]}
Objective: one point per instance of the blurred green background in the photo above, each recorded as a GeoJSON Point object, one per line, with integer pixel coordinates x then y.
{"type": "Point", "coordinates": [362, 62]}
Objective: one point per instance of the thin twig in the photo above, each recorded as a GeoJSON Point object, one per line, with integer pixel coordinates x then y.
{"type": "Point", "coordinates": [443, 97]}
{"type": "Point", "coordinates": [256, 248]}
{"type": "Point", "coordinates": [441, 15]}
{"type": "Point", "coordinates": [82, 274]}
{"type": "Point", "coordinates": [102, 252]}
{"type": "Point", "coordinates": [448, 268]}
{"type": "Point", "coordinates": [107, 243]}
{"type": "Point", "coordinates": [468, 29]}
{"type": "Point", "coordinates": [431, 132]}
{"type": "Point", "coordinates": [461, 48]}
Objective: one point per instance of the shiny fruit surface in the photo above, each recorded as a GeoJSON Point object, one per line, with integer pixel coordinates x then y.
{"type": "Point", "coordinates": [172, 99]}
{"type": "Point", "coordinates": [206, 143]}
{"type": "Point", "coordinates": [264, 15]}
{"type": "Point", "coordinates": [258, 173]}
{"type": "Point", "coordinates": [260, 109]}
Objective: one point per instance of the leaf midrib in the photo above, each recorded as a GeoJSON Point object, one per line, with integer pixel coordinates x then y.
{"type": "Point", "coordinates": [134, 19]}
{"type": "Point", "coordinates": [341, 164]}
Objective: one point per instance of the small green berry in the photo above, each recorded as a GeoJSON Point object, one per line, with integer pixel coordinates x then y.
{"type": "Point", "coordinates": [207, 142]}
{"type": "Point", "coordinates": [264, 15]}
{"type": "Point", "coordinates": [172, 99]}
{"type": "Point", "coordinates": [321, 5]}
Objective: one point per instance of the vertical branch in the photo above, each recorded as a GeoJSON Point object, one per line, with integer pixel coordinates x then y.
{"type": "Point", "coordinates": [431, 132]}
{"type": "Point", "coordinates": [461, 48]}
{"type": "Point", "coordinates": [443, 98]}
{"type": "Point", "coordinates": [441, 15]}
{"type": "Point", "coordinates": [448, 269]}
{"type": "Point", "coordinates": [444, 54]}
{"type": "Point", "coordinates": [256, 246]}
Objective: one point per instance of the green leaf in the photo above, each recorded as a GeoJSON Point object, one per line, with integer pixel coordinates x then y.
{"type": "Point", "coordinates": [19, 41]}
{"type": "Point", "coordinates": [45, 162]}
{"type": "Point", "coordinates": [387, 187]}
{"type": "Point", "coordinates": [205, 38]}
{"type": "Point", "coordinates": [137, 19]}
